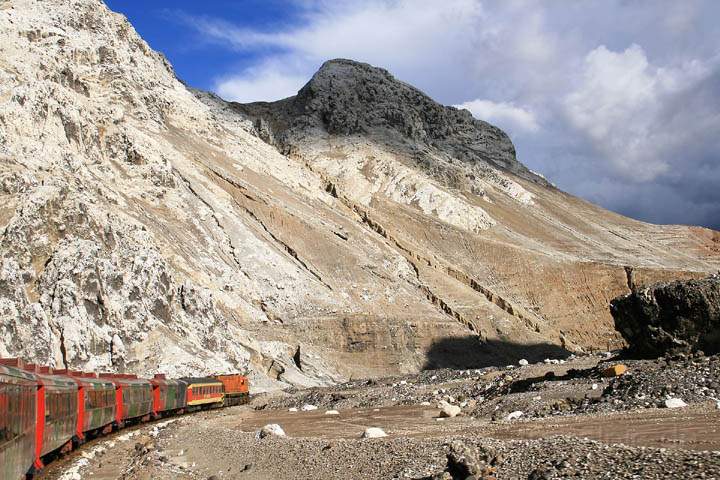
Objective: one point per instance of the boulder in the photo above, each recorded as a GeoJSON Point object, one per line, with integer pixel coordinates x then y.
{"type": "Point", "coordinates": [468, 462]}
{"type": "Point", "coordinates": [332, 412]}
{"type": "Point", "coordinates": [307, 407]}
{"type": "Point", "coordinates": [271, 429]}
{"type": "Point", "coordinates": [514, 415]}
{"type": "Point", "coordinates": [449, 411]}
{"type": "Point", "coordinates": [671, 318]}
{"type": "Point", "coordinates": [675, 403]}
{"type": "Point", "coordinates": [374, 432]}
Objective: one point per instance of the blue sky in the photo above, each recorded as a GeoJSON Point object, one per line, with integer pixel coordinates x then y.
{"type": "Point", "coordinates": [197, 59]}
{"type": "Point", "coordinates": [615, 101]}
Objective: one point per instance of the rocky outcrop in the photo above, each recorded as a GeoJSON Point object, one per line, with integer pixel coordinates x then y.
{"type": "Point", "coordinates": [358, 229]}
{"type": "Point", "coordinates": [348, 98]}
{"type": "Point", "coordinates": [671, 318]}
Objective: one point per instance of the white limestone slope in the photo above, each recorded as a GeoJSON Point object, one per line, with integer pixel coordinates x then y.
{"type": "Point", "coordinates": [118, 252]}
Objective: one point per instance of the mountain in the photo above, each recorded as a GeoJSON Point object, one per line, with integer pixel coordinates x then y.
{"type": "Point", "coordinates": [356, 229]}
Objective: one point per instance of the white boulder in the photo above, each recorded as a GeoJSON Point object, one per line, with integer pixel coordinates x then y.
{"type": "Point", "coordinates": [374, 432]}
{"type": "Point", "coordinates": [514, 415]}
{"type": "Point", "coordinates": [675, 403]}
{"type": "Point", "coordinates": [270, 429]}
{"type": "Point", "coordinates": [450, 411]}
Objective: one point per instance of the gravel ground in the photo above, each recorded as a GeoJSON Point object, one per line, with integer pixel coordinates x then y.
{"type": "Point", "coordinates": [573, 420]}
{"type": "Point", "coordinates": [218, 452]}
{"type": "Point", "coordinates": [558, 387]}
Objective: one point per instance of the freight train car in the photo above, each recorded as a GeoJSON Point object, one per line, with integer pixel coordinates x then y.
{"type": "Point", "coordinates": [236, 389]}
{"type": "Point", "coordinates": [17, 422]}
{"type": "Point", "coordinates": [204, 392]}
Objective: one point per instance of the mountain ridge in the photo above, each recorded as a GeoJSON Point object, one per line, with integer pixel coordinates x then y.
{"type": "Point", "coordinates": [149, 227]}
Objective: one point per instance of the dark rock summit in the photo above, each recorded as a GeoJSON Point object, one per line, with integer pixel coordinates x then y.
{"type": "Point", "coordinates": [676, 317]}
{"type": "Point", "coordinates": [346, 98]}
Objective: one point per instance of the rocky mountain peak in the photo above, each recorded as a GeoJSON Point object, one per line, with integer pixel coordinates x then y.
{"type": "Point", "coordinates": [346, 97]}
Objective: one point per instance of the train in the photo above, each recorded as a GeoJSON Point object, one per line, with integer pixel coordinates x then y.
{"type": "Point", "coordinates": [45, 411]}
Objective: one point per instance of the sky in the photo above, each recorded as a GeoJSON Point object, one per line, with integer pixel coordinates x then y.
{"type": "Point", "coordinates": [615, 101]}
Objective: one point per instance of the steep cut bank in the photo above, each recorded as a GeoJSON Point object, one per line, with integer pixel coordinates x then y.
{"type": "Point", "coordinates": [358, 229]}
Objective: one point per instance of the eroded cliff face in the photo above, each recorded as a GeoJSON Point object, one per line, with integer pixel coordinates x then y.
{"type": "Point", "coordinates": [146, 227]}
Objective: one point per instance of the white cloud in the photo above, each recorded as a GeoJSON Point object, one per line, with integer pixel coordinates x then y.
{"type": "Point", "coordinates": [265, 83]}
{"type": "Point", "coordinates": [505, 115]}
{"type": "Point", "coordinates": [375, 30]}
{"type": "Point", "coordinates": [619, 102]}
{"type": "Point", "coordinates": [411, 37]}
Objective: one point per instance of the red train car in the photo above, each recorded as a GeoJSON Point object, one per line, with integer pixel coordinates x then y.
{"type": "Point", "coordinates": [133, 398]}
{"type": "Point", "coordinates": [168, 395]}
{"type": "Point", "coordinates": [56, 407]}
{"type": "Point", "coordinates": [237, 388]}
{"type": "Point", "coordinates": [17, 421]}
{"type": "Point", "coordinates": [96, 403]}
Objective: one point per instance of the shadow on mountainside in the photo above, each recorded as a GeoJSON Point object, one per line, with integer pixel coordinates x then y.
{"type": "Point", "coordinates": [463, 353]}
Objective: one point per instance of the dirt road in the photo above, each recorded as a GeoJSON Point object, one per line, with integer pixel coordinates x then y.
{"type": "Point", "coordinates": [208, 444]}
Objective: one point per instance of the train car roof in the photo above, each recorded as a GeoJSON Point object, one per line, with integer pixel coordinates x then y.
{"type": "Point", "coordinates": [86, 379]}
{"type": "Point", "coordinates": [123, 379]}
{"type": "Point", "coordinates": [17, 372]}
{"type": "Point", "coordinates": [50, 380]}
{"type": "Point", "coordinates": [43, 375]}
{"type": "Point", "coordinates": [161, 380]}
{"type": "Point", "coordinates": [191, 380]}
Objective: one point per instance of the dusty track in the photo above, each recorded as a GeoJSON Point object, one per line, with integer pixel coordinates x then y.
{"type": "Point", "coordinates": [222, 442]}
{"type": "Point", "coordinates": [695, 429]}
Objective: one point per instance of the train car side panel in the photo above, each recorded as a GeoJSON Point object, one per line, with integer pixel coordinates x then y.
{"type": "Point", "coordinates": [17, 422]}
{"type": "Point", "coordinates": [204, 391]}
{"type": "Point", "coordinates": [168, 395]}
{"type": "Point", "coordinates": [137, 399]}
{"type": "Point", "coordinates": [133, 397]}
{"type": "Point", "coordinates": [59, 409]}
{"type": "Point", "coordinates": [99, 405]}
